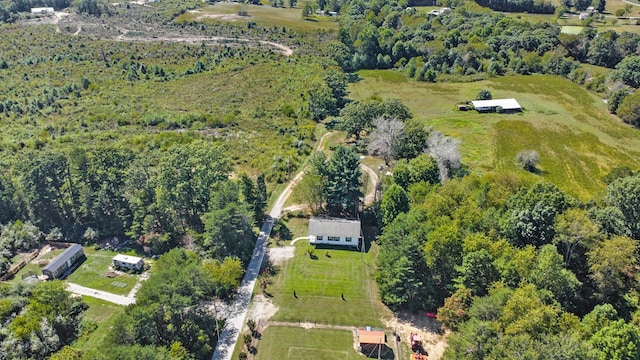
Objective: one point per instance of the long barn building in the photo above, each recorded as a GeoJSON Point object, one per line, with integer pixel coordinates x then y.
{"type": "Point", "coordinates": [64, 263]}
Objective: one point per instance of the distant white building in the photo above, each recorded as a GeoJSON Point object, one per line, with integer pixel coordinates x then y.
{"type": "Point", "coordinates": [334, 231]}
{"type": "Point", "coordinates": [438, 12]}
{"type": "Point", "coordinates": [497, 105]}
{"type": "Point", "coordinates": [42, 11]}
{"type": "Point", "coordinates": [128, 262]}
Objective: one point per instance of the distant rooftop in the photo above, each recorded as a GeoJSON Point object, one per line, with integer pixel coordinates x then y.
{"type": "Point", "coordinates": [127, 259]}
{"type": "Point", "coordinates": [505, 104]}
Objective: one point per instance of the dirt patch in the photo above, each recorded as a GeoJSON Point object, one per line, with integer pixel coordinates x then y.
{"type": "Point", "coordinates": [280, 254]}
{"type": "Point", "coordinates": [434, 339]}
{"type": "Point", "coordinates": [227, 17]}
{"type": "Point", "coordinates": [261, 309]}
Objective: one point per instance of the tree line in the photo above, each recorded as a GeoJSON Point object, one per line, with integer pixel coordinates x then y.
{"type": "Point", "coordinates": [156, 199]}
{"type": "Point", "coordinates": [514, 267]}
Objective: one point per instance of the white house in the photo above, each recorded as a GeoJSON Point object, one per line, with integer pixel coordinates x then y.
{"type": "Point", "coordinates": [438, 12]}
{"type": "Point", "coordinates": [334, 231]}
{"type": "Point", "coordinates": [128, 262]}
{"type": "Point", "coordinates": [497, 105]}
{"type": "Point", "coordinates": [42, 11]}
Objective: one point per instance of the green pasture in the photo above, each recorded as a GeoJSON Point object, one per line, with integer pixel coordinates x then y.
{"type": "Point", "coordinates": [279, 342]}
{"type": "Point", "coordinates": [104, 314]}
{"type": "Point", "coordinates": [92, 272]}
{"type": "Point", "coordinates": [571, 29]}
{"type": "Point", "coordinates": [261, 14]}
{"type": "Point", "coordinates": [577, 139]}
{"type": "Point", "coordinates": [99, 310]}
{"type": "Point", "coordinates": [319, 284]}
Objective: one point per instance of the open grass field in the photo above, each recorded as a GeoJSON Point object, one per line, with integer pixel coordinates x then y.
{"type": "Point", "coordinates": [261, 15]}
{"type": "Point", "coordinates": [104, 314]}
{"type": "Point", "coordinates": [319, 285]}
{"type": "Point", "coordinates": [99, 310]}
{"type": "Point", "coordinates": [295, 343]}
{"type": "Point", "coordinates": [92, 273]}
{"type": "Point", "coordinates": [578, 141]}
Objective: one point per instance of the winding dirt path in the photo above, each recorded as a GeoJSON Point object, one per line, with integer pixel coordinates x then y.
{"type": "Point", "coordinates": [196, 39]}
{"type": "Point", "coordinates": [373, 179]}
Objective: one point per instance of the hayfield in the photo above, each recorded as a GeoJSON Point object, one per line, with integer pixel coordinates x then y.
{"type": "Point", "coordinates": [319, 285]}
{"type": "Point", "coordinates": [577, 139]}
{"type": "Point", "coordinates": [262, 15]}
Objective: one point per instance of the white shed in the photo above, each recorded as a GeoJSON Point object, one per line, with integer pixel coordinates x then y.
{"type": "Point", "coordinates": [128, 262]}
{"type": "Point", "coordinates": [497, 105]}
{"type": "Point", "coordinates": [334, 231]}
{"type": "Point", "coordinates": [42, 11]}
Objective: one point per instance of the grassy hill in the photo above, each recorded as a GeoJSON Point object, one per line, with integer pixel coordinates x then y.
{"type": "Point", "coordinates": [577, 139]}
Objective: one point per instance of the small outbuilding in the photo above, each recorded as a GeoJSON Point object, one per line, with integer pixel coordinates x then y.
{"type": "Point", "coordinates": [497, 105]}
{"type": "Point", "coordinates": [42, 11]}
{"type": "Point", "coordinates": [64, 263]}
{"type": "Point", "coordinates": [372, 342]}
{"type": "Point", "coordinates": [335, 231]}
{"type": "Point", "coordinates": [128, 262]}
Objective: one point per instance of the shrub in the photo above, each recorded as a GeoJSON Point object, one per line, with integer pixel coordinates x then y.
{"type": "Point", "coordinates": [528, 159]}
{"type": "Point", "coordinates": [484, 94]}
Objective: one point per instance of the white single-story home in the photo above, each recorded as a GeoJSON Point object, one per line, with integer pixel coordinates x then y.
{"type": "Point", "coordinates": [128, 262]}
{"type": "Point", "coordinates": [42, 11]}
{"type": "Point", "coordinates": [334, 231]}
{"type": "Point", "coordinates": [497, 105]}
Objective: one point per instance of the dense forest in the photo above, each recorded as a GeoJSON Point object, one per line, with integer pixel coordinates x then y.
{"type": "Point", "coordinates": [514, 266]}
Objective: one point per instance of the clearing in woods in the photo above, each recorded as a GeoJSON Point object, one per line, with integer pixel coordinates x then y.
{"type": "Point", "coordinates": [577, 139]}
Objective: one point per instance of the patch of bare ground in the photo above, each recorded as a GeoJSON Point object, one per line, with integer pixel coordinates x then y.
{"type": "Point", "coordinates": [227, 17]}
{"type": "Point", "coordinates": [278, 255]}
{"type": "Point", "coordinates": [434, 339]}
{"type": "Point", "coordinates": [261, 310]}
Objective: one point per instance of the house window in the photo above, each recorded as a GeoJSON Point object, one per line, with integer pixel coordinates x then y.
{"type": "Point", "coordinates": [319, 238]}
{"type": "Point", "coordinates": [347, 239]}
{"type": "Point", "coordinates": [333, 238]}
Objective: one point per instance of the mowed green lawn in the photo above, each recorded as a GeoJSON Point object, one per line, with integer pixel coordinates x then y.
{"type": "Point", "coordinates": [577, 139]}
{"type": "Point", "coordinates": [92, 273]}
{"type": "Point", "coordinates": [295, 343]}
{"type": "Point", "coordinates": [261, 14]}
{"type": "Point", "coordinates": [319, 285]}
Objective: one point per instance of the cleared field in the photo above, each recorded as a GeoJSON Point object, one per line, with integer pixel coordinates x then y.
{"type": "Point", "coordinates": [319, 285]}
{"type": "Point", "coordinates": [297, 343]}
{"type": "Point", "coordinates": [95, 340]}
{"type": "Point", "coordinates": [578, 141]}
{"type": "Point", "coordinates": [262, 15]}
{"type": "Point", "coordinates": [570, 29]}
{"type": "Point", "coordinates": [99, 310]}
{"type": "Point", "coordinates": [92, 274]}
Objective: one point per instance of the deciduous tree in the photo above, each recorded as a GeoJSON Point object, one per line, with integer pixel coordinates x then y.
{"type": "Point", "coordinates": [387, 135]}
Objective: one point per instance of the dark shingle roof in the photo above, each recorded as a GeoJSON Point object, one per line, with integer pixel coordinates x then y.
{"type": "Point", "coordinates": [62, 258]}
